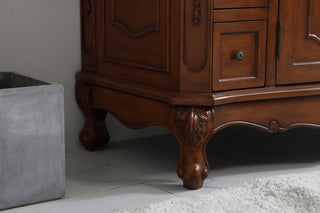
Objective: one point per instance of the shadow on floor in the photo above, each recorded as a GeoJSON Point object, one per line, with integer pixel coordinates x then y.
{"type": "Point", "coordinates": [232, 151]}
{"type": "Point", "coordinates": [240, 146]}
{"type": "Point", "coordinates": [236, 146]}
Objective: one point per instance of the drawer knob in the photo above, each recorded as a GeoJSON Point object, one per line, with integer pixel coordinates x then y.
{"type": "Point", "coordinates": [239, 55]}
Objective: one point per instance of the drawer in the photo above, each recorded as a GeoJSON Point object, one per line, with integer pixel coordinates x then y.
{"type": "Point", "coordinates": [245, 14]}
{"type": "Point", "coordinates": [239, 55]}
{"type": "Point", "coordinates": [239, 3]}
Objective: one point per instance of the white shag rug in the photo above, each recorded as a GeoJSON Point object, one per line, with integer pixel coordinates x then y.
{"type": "Point", "coordinates": [294, 193]}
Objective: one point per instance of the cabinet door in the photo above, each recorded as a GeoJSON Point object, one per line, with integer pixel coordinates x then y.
{"type": "Point", "coordinates": [299, 58]}
{"type": "Point", "coordinates": [133, 41]}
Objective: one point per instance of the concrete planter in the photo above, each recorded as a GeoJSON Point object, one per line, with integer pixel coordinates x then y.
{"type": "Point", "coordinates": [32, 159]}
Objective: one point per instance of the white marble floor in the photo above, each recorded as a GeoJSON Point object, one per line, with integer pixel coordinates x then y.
{"type": "Point", "coordinates": [140, 171]}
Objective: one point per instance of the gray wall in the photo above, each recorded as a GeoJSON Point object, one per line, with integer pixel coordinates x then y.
{"type": "Point", "coordinates": [41, 38]}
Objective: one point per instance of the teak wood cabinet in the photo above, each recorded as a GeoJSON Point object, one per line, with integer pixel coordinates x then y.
{"type": "Point", "coordinates": [198, 66]}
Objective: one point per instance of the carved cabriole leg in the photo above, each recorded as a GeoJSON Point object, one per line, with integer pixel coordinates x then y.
{"type": "Point", "coordinates": [94, 135]}
{"type": "Point", "coordinates": [193, 128]}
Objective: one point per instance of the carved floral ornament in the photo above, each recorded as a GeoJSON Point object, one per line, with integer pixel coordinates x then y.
{"type": "Point", "coordinates": [274, 126]}
{"type": "Point", "coordinates": [196, 12]}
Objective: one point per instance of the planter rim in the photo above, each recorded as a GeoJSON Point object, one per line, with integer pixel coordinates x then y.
{"type": "Point", "coordinates": [27, 90]}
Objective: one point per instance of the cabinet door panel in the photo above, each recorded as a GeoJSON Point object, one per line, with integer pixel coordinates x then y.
{"type": "Point", "coordinates": [132, 41]}
{"type": "Point", "coordinates": [134, 35]}
{"type": "Point", "coordinates": [300, 42]}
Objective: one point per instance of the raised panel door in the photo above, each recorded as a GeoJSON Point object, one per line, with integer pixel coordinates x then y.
{"type": "Point", "coordinates": [133, 41]}
{"type": "Point", "coordinates": [299, 53]}
{"type": "Point", "coordinates": [134, 35]}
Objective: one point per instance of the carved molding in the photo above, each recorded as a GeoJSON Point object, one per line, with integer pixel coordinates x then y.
{"type": "Point", "coordinates": [197, 12]}
{"type": "Point", "coordinates": [313, 16]}
{"type": "Point", "coordinates": [136, 34]}
{"type": "Point", "coordinates": [116, 21]}
{"type": "Point", "coordinates": [273, 126]}
{"type": "Point", "coordinates": [195, 35]}
{"type": "Point", "coordinates": [193, 125]}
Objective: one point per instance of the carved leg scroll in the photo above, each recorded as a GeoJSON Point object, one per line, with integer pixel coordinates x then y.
{"type": "Point", "coordinates": [193, 127]}
{"type": "Point", "coordinates": [94, 135]}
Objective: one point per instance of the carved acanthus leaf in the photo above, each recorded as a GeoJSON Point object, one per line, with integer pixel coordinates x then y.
{"type": "Point", "coordinates": [193, 124]}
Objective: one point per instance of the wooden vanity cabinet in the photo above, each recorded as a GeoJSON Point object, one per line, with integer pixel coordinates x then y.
{"type": "Point", "coordinates": [196, 67]}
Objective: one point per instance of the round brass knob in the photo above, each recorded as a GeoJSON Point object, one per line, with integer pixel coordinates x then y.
{"type": "Point", "coordinates": [239, 55]}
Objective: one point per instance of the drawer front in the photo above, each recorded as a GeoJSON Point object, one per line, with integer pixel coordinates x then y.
{"type": "Point", "coordinates": [239, 55]}
{"type": "Point", "coordinates": [246, 14]}
{"type": "Point", "coordinates": [239, 3]}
